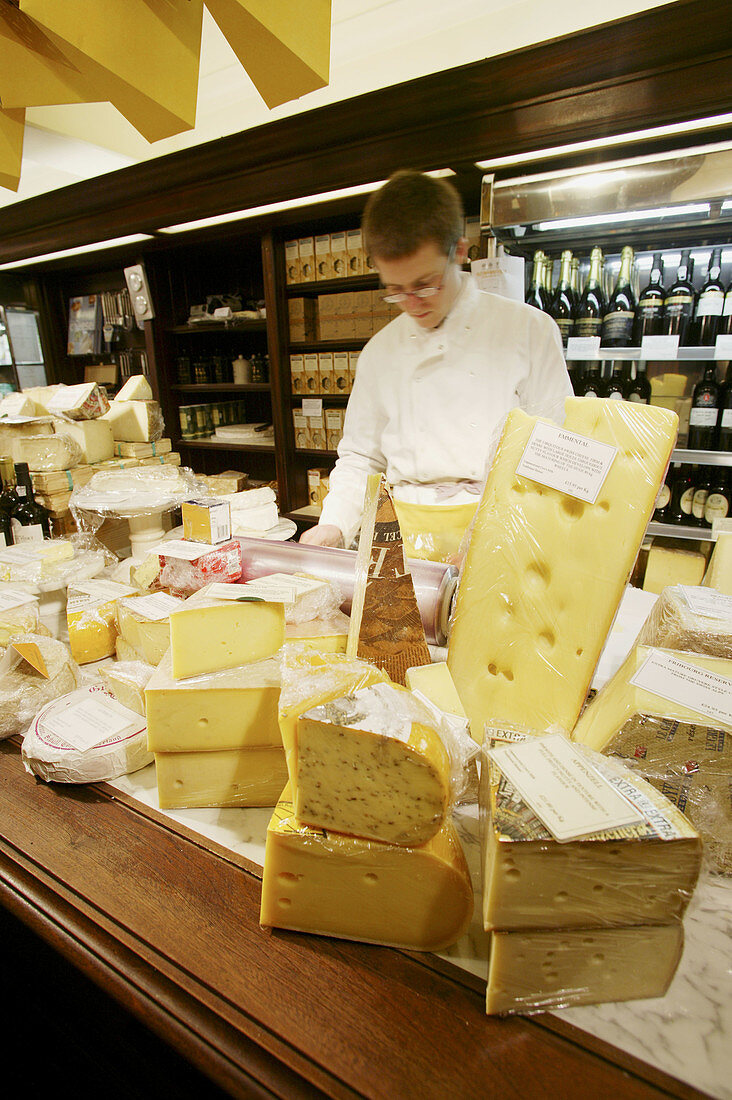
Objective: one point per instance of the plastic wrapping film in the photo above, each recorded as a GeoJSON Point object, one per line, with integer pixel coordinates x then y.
{"type": "Point", "coordinates": [19, 614]}
{"type": "Point", "coordinates": [246, 777]}
{"type": "Point", "coordinates": [327, 634]}
{"type": "Point", "coordinates": [587, 920]}
{"type": "Point", "coordinates": [696, 619]}
{"type": "Point", "coordinates": [545, 568]}
{"type": "Point", "coordinates": [417, 898]}
{"type": "Point", "coordinates": [25, 688]}
{"type": "Point", "coordinates": [91, 617]}
{"type": "Point", "coordinates": [305, 598]}
{"type": "Point", "coordinates": [126, 681]}
{"type": "Point", "coordinates": [682, 752]}
{"type": "Point", "coordinates": [85, 401]}
{"type": "Point", "coordinates": [51, 564]}
{"type": "Point", "coordinates": [48, 453]}
{"type": "Point", "coordinates": [85, 737]}
{"type": "Point", "coordinates": [148, 636]}
{"type": "Point", "coordinates": [165, 571]}
{"type": "Point", "coordinates": [138, 491]}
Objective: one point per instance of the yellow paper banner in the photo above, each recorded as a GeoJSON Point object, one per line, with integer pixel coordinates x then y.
{"type": "Point", "coordinates": [284, 46]}
{"type": "Point", "coordinates": [34, 72]}
{"type": "Point", "coordinates": [12, 124]}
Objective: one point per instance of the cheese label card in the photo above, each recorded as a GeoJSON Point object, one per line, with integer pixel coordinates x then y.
{"type": "Point", "coordinates": [84, 724]}
{"type": "Point", "coordinates": [687, 685]}
{"type": "Point", "coordinates": [155, 607]}
{"type": "Point", "coordinates": [569, 795]}
{"type": "Point", "coordinates": [707, 602]}
{"type": "Point", "coordinates": [566, 461]}
{"type": "Point", "coordinates": [660, 347]}
{"type": "Point", "coordinates": [30, 652]}
{"type": "Point", "coordinates": [583, 347]}
{"type": "Point", "coordinates": [251, 591]}
{"type": "Point", "coordinates": [184, 551]}
{"type": "Point", "coordinates": [14, 597]}
{"type": "Point", "coordinates": [312, 406]}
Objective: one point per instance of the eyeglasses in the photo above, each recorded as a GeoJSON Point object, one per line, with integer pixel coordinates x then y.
{"type": "Point", "coordinates": [423, 291]}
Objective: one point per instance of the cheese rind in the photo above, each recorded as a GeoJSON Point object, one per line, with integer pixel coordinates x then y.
{"type": "Point", "coordinates": [545, 571]}
{"type": "Point", "coordinates": [420, 899]}
{"type": "Point", "coordinates": [371, 764]}
{"type": "Point", "coordinates": [228, 777]}
{"type": "Point", "coordinates": [216, 635]}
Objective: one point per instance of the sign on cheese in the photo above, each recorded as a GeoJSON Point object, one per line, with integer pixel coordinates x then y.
{"type": "Point", "coordinates": [545, 570]}
{"type": "Point", "coordinates": [371, 764]}
{"type": "Point", "coordinates": [210, 635]}
{"type": "Point", "coordinates": [533, 971]}
{"type": "Point", "coordinates": [642, 874]}
{"type": "Point", "coordinates": [335, 885]}
{"type": "Point", "coordinates": [224, 777]}
{"type": "Point", "coordinates": [232, 709]}
{"type": "Point", "coordinates": [91, 609]}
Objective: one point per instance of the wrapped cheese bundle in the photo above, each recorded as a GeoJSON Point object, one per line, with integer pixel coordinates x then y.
{"type": "Point", "coordinates": [694, 619]}
{"type": "Point", "coordinates": [135, 421]}
{"type": "Point", "coordinates": [83, 402]}
{"type": "Point", "coordinates": [33, 671]}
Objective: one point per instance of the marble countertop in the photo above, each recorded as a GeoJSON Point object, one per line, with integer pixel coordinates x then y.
{"type": "Point", "coordinates": [686, 1034]}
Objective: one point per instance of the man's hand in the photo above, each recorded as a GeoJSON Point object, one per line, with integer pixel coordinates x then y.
{"type": "Point", "coordinates": [324, 534]}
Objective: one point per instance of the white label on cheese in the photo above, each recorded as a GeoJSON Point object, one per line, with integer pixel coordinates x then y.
{"type": "Point", "coordinates": [93, 721]}
{"type": "Point", "coordinates": [184, 551]}
{"type": "Point", "coordinates": [302, 585]}
{"type": "Point", "coordinates": [155, 607]}
{"type": "Point", "coordinates": [270, 593]}
{"type": "Point", "coordinates": [707, 602]}
{"type": "Point", "coordinates": [566, 461]}
{"type": "Point", "coordinates": [13, 597]}
{"type": "Point", "coordinates": [660, 347]}
{"type": "Point", "coordinates": [564, 790]}
{"type": "Point", "coordinates": [687, 685]}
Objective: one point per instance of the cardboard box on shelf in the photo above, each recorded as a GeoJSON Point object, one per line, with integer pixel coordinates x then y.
{"type": "Point", "coordinates": [325, 372]}
{"type": "Point", "coordinates": [341, 376]}
{"type": "Point", "coordinates": [323, 262]}
{"type": "Point", "coordinates": [312, 373]}
{"type": "Point", "coordinates": [301, 428]}
{"type": "Point", "coordinates": [292, 262]}
{"type": "Point", "coordinates": [333, 428]}
{"type": "Point", "coordinates": [297, 374]}
{"type": "Point", "coordinates": [352, 364]}
{"type": "Point", "coordinates": [338, 255]}
{"type": "Point", "coordinates": [306, 248]}
{"type": "Point", "coordinates": [316, 424]}
{"type": "Point", "coordinates": [317, 484]}
{"type": "Point", "coordinates": [354, 252]}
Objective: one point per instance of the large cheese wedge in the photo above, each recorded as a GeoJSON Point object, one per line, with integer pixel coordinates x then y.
{"type": "Point", "coordinates": [135, 421]}
{"type": "Point", "coordinates": [36, 669]}
{"type": "Point", "coordinates": [534, 971]}
{"type": "Point", "coordinates": [82, 402]}
{"type": "Point", "coordinates": [136, 388]}
{"type": "Point", "coordinates": [667, 566]}
{"type": "Point", "coordinates": [147, 635]}
{"type": "Point", "coordinates": [94, 438]}
{"type": "Point", "coordinates": [643, 874]}
{"type": "Point", "coordinates": [12, 433]}
{"type": "Point", "coordinates": [48, 452]}
{"type": "Point", "coordinates": [17, 404]}
{"type": "Point", "coordinates": [336, 885]}
{"type": "Point", "coordinates": [691, 619]}
{"type": "Point", "coordinates": [386, 626]}
{"type": "Point", "coordinates": [233, 709]}
{"type": "Point", "coordinates": [371, 764]}
{"type": "Point", "coordinates": [545, 571]}
{"type": "Point", "coordinates": [226, 777]}
{"type": "Point", "coordinates": [91, 618]}
{"type": "Point", "coordinates": [310, 678]}
{"type": "Point", "coordinates": [208, 635]}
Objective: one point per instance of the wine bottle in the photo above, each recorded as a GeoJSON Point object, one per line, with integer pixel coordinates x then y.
{"type": "Point", "coordinates": [663, 498]}
{"type": "Point", "coordinates": [8, 498]}
{"type": "Point", "coordinates": [709, 304]}
{"type": "Point", "coordinates": [592, 383]}
{"type": "Point", "coordinates": [617, 324]}
{"type": "Point", "coordinates": [639, 388]}
{"type": "Point", "coordinates": [705, 402]}
{"type": "Point", "coordinates": [678, 308]}
{"type": "Point", "coordinates": [537, 294]}
{"type": "Point", "coordinates": [679, 485]}
{"type": "Point", "coordinates": [30, 520]}
{"type": "Point", "coordinates": [574, 283]}
{"type": "Point", "coordinates": [687, 489]}
{"type": "Point", "coordinates": [548, 289]}
{"type": "Point", "coordinates": [616, 386]}
{"type": "Point", "coordinates": [591, 308]}
{"type": "Point", "coordinates": [649, 311]}
{"type": "Point", "coordinates": [717, 503]}
{"type": "Point", "coordinates": [724, 418]}
{"type": "Point", "coordinates": [562, 303]}
{"type": "Point", "coordinates": [725, 324]}
{"type": "Point", "coordinates": [701, 492]}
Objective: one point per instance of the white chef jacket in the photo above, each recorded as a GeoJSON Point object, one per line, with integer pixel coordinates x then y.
{"type": "Point", "coordinates": [428, 405]}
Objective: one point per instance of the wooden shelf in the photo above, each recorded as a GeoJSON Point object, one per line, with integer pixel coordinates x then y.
{"type": "Point", "coordinates": [221, 387]}
{"type": "Point", "coordinates": [330, 286]}
{"type": "Point", "coordinates": [210, 445]}
{"type": "Point", "coordinates": [220, 327]}
{"type": "Point", "coordinates": [679, 531]}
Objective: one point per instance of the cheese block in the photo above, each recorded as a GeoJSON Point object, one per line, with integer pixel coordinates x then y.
{"type": "Point", "coordinates": [719, 569]}
{"type": "Point", "coordinates": [136, 388]}
{"type": "Point", "coordinates": [48, 452]}
{"type": "Point", "coordinates": [310, 678]}
{"type": "Point", "coordinates": [12, 433]}
{"type": "Point", "coordinates": [691, 619]}
{"type": "Point", "coordinates": [126, 681]}
{"type": "Point", "coordinates": [534, 971]}
{"type": "Point", "coordinates": [19, 614]}
{"type": "Point", "coordinates": [35, 669]}
{"type": "Point", "coordinates": [94, 438]}
{"type": "Point", "coordinates": [327, 635]}
{"type": "Point", "coordinates": [211, 635]}
{"type": "Point", "coordinates": [155, 449]}
{"type": "Point", "coordinates": [436, 683]}
{"type": "Point", "coordinates": [184, 576]}
{"type": "Point", "coordinates": [34, 562]}
{"type": "Point", "coordinates": [17, 404]}
{"type": "Point", "coordinates": [667, 566]}
{"type": "Point", "coordinates": [123, 651]}
{"type": "Point", "coordinates": [59, 481]}
{"type": "Point", "coordinates": [545, 571]}
{"type": "Point", "coordinates": [225, 777]}
{"type": "Point", "coordinates": [83, 402]}
{"type": "Point", "coordinates": [147, 635]}
{"type": "Point", "coordinates": [642, 874]}
{"type": "Point", "coordinates": [135, 421]}
{"type": "Point", "coordinates": [41, 396]}
{"type": "Point", "coordinates": [233, 709]}
{"type": "Point", "coordinates": [372, 764]}
{"type": "Point", "coordinates": [91, 618]}
{"type": "Point", "coordinates": [386, 626]}
{"type": "Point", "coordinates": [420, 899]}
{"type": "Point", "coordinates": [262, 518]}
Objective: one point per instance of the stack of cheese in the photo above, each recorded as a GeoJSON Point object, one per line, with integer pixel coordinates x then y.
{"type": "Point", "coordinates": [360, 845]}
{"type": "Point", "coordinates": [587, 920]}
{"type": "Point", "coordinates": [212, 704]}
{"type": "Point", "coordinates": [312, 609]}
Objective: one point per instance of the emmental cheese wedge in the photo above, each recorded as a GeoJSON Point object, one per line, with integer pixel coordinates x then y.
{"type": "Point", "coordinates": [420, 899]}
{"type": "Point", "coordinates": [545, 571]}
{"type": "Point", "coordinates": [533, 971]}
{"type": "Point", "coordinates": [226, 777]}
{"type": "Point", "coordinates": [371, 764]}
{"type": "Point", "coordinates": [208, 635]}
{"type": "Point", "coordinates": [233, 709]}
{"type": "Point", "coordinates": [643, 874]}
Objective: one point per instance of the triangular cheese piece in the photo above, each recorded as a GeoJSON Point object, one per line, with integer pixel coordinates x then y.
{"type": "Point", "coordinates": [30, 652]}
{"type": "Point", "coordinates": [386, 626]}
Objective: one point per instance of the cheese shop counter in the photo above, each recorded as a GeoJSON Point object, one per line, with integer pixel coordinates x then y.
{"type": "Point", "coordinates": [161, 910]}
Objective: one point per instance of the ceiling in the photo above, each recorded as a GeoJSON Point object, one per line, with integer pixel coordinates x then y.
{"type": "Point", "coordinates": [375, 44]}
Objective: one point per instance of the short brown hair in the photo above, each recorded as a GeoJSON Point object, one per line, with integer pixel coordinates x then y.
{"type": "Point", "coordinates": [410, 210]}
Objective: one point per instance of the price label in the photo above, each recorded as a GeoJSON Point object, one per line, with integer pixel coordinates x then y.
{"type": "Point", "coordinates": [566, 461]}
{"type": "Point", "coordinates": [660, 347]}
{"type": "Point", "coordinates": [688, 685]}
{"type": "Point", "coordinates": [312, 406]}
{"type": "Point", "coordinates": [723, 347]}
{"type": "Point", "coordinates": [583, 347]}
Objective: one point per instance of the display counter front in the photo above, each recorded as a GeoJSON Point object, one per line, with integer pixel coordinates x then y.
{"type": "Point", "coordinates": [162, 912]}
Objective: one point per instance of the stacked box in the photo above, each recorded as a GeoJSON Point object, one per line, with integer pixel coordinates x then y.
{"type": "Point", "coordinates": [317, 485]}
{"type": "Point", "coordinates": [333, 428]}
{"type": "Point", "coordinates": [326, 382]}
{"type": "Point", "coordinates": [292, 262]}
{"type": "Point", "coordinates": [297, 374]}
{"type": "Point", "coordinates": [354, 252]}
{"type": "Point", "coordinates": [302, 319]}
{"type": "Point", "coordinates": [323, 261]}
{"type": "Point", "coordinates": [306, 249]}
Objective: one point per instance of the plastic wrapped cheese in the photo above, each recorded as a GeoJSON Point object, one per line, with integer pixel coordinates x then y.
{"type": "Point", "coordinates": [144, 623]}
{"type": "Point", "coordinates": [222, 777]}
{"type": "Point", "coordinates": [91, 618]}
{"type": "Point", "coordinates": [34, 670]}
{"type": "Point", "coordinates": [47, 453]}
{"type": "Point", "coordinates": [19, 613]}
{"type": "Point", "coordinates": [83, 402]}
{"type": "Point", "coordinates": [304, 598]}
{"type": "Point", "coordinates": [126, 681]}
{"type": "Point", "coordinates": [695, 619]}
{"type": "Point", "coordinates": [49, 565]}
{"type": "Point", "coordinates": [136, 421]}
{"type": "Point", "coordinates": [94, 438]}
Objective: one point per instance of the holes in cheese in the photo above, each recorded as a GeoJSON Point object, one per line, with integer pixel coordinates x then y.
{"type": "Point", "coordinates": [229, 777]}
{"type": "Point", "coordinates": [369, 764]}
{"type": "Point", "coordinates": [209, 637]}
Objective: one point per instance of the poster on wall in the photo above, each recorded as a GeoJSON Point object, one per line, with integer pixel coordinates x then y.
{"type": "Point", "coordinates": [85, 325]}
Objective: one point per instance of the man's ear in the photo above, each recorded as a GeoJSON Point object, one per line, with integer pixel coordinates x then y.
{"type": "Point", "coordinates": [461, 251]}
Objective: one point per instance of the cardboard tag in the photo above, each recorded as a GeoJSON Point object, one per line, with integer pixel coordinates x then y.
{"type": "Point", "coordinates": [566, 461]}
{"type": "Point", "coordinates": [30, 652]}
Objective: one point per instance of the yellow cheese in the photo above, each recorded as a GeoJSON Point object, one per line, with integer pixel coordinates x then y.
{"type": "Point", "coordinates": [148, 637]}
{"type": "Point", "coordinates": [91, 618]}
{"type": "Point", "coordinates": [371, 764]}
{"type": "Point", "coordinates": [310, 678]}
{"type": "Point", "coordinates": [127, 680]}
{"type": "Point", "coordinates": [437, 685]}
{"type": "Point", "coordinates": [136, 388]}
{"type": "Point", "coordinates": [532, 971]}
{"type": "Point", "coordinates": [335, 885]}
{"type": "Point", "coordinates": [25, 689]}
{"type": "Point", "coordinates": [719, 570]}
{"type": "Point", "coordinates": [545, 571]}
{"type": "Point", "coordinates": [643, 874]}
{"type": "Point", "coordinates": [94, 438]}
{"type": "Point", "coordinates": [19, 613]}
{"type": "Point", "coordinates": [667, 566]}
{"type": "Point", "coordinates": [207, 636]}
{"type": "Point", "coordinates": [233, 709]}
{"type": "Point", "coordinates": [229, 777]}
{"type": "Point", "coordinates": [326, 635]}
{"type": "Point", "coordinates": [135, 421]}
{"type": "Point", "coordinates": [125, 652]}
